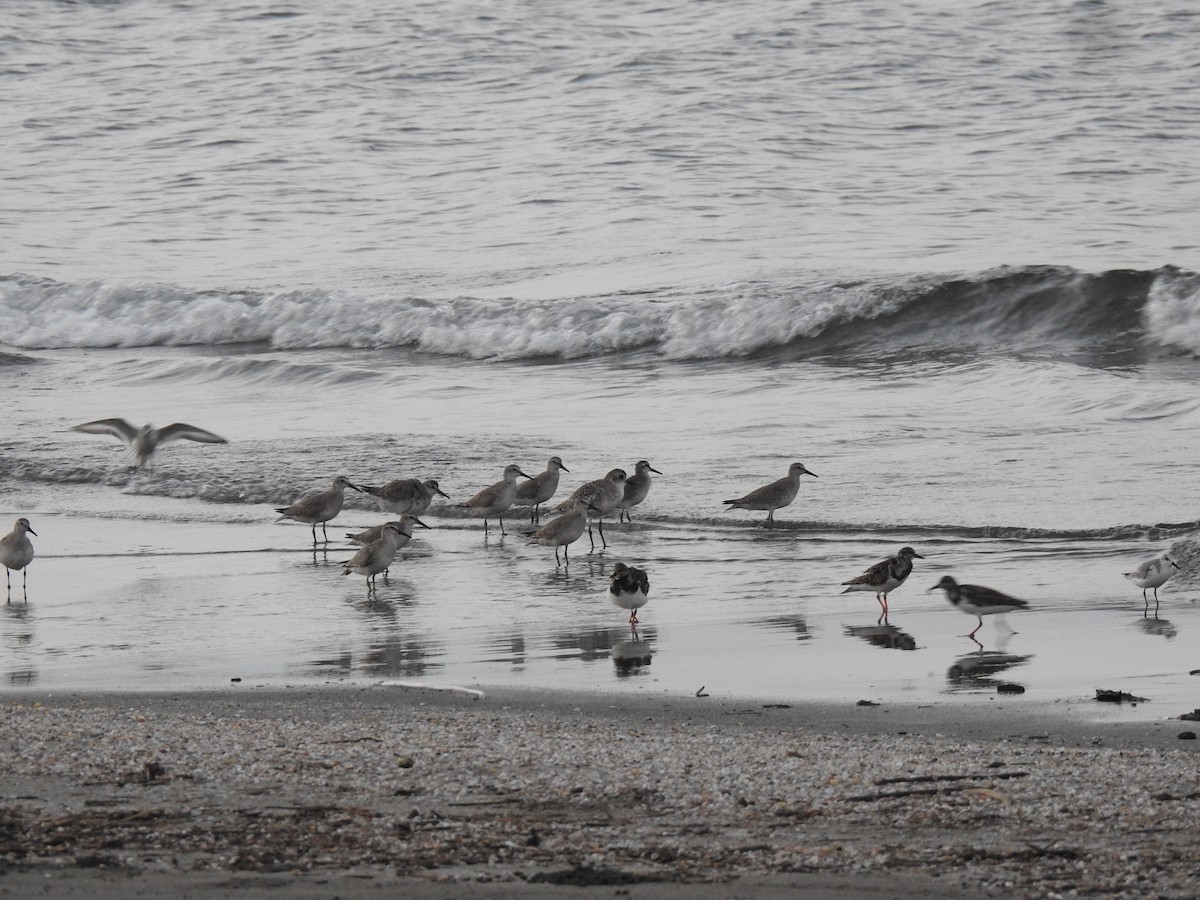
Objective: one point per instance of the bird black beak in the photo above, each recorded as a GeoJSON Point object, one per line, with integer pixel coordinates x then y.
{"type": "Point", "coordinates": [419, 522]}
{"type": "Point", "coordinates": [443, 493]}
{"type": "Point", "coordinates": [654, 470]}
{"type": "Point", "coordinates": [564, 468]}
{"type": "Point", "coordinates": [1176, 565]}
{"type": "Point", "coordinates": [918, 556]}
{"type": "Point", "coordinates": [813, 474]}
{"type": "Point", "coordinates": [356, 487]}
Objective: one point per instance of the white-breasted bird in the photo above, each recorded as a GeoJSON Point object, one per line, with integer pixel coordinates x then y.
{"type": "Point", "coordinates": [978, 601]}
{"type": "Point", "coordinates": [629, 588]}
{"type": "Point", "coordinates": [775, 495]}
{"type": "Point", "coordinates": [145, 440]}
{"type": "Point", "coordinates": [16, 553]}
{"type": "Point", "coordinates": [1153, 573]}
{"type": "Point", "coordinates": [885, 576]}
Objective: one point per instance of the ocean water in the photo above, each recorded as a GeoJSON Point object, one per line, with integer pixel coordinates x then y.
{"type": "Point", "coordinates": [944, 254]}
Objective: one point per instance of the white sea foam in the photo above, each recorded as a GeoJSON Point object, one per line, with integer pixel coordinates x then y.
{"type": "Point", "coordinates": [1172, 311]}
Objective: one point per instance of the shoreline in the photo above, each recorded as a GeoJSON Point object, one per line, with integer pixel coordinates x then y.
{"type": "Point", "coordinates": [442, 793]}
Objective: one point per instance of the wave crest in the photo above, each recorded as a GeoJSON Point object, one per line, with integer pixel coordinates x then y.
{"type": "Point", "coordinates": [1007, 309]}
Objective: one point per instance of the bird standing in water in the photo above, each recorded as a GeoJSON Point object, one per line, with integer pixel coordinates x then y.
{"type": "Point", "coordinates": [16, 553]}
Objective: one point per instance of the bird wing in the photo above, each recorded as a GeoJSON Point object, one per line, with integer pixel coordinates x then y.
{"type": "Point", "coordinates": [766, 492]}
{"type": "Point", "coordinates": [985, 596]}
{"type": "Point", "coordinates": [181, 431]}
{"type": "Point", "coordinates": [118, 428]}
{"type": "Point", "coordinates": [877, 574]}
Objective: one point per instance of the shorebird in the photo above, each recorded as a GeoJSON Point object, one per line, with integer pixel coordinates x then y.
{"type": "Point", "coordinates": [376, 556]}
{"type": "Point", "coordinates": [629, 588]}
{"type": "Point", "coordinates": [775, 495]}
{"type": "Point", "coordinates": [885, 576]}
{"type": "Point", "coordinates": [540, 488]}
{"type": "Point", "coordinates": [145, 440]}
{"type": "Point", "coordinates": [978, 601]}
{"type": "Point", "coordinates": [636, 489]}
{"type": "Point", "coordinates": [319, 508]}
{"type": "Point", "coordinates": [1153, 574]}
{"type": "Point", "coordinates": [405, 524]}
{"type": "Point", "coordinates": [405, 496]}
{"type": "Point", "coordinates": [494, 500]}
{"type": "Point", "coordinates": [16, 553]}
{"type": "Point", "coordinates": [564, 530]}
{"type": "Point", "coordinates": [602, 495]}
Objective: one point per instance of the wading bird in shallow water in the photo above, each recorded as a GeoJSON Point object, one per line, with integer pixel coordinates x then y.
{"type": "Point", "coordinates": [775, 495]}
{"type": "Point", "coordinates": [1153, 574]}
{"type": "Point", "coordinates": [145, 440]}
{"type": "Point", "coordinates": [540, 488]}
{"type": "Point", "coordinates": [636, 489]}
{"type": "Point", "coordinates": [978, 601]}
{"type": "Point", "coordinates": [602, 497]}
{"type": "Point", "coordinates": [376, 556]}
{"type": "Point", "coordinates": [629, 588]}
{"type": "Point", "coordinates": [317, 509]}
{"type": "Point", "coordinates": [404, 525]}
{"type": "Point", "coordinates": [405, 496]}
{"type": "Point", "coordinates": [16, 553]}
{"type": "Point", "coordinates": [884, 577]}
{"type": "Point", "coordinates": [564, 530]}
{"type": "Point", "coordinates": [494, 500]}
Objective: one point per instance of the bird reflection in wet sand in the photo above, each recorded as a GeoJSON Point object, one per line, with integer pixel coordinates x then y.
{"type": "Point", "coordinates": [978, 669]}
{"type": "Point", "coordinates": [1157, 627]}
{"type": "Point", "coordinates": [632, 656]}
{"type": "Point", "coordinates": [883, 635]}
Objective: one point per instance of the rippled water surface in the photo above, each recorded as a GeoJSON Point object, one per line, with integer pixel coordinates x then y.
{"type": "Point", "coordinates": [944, 254]}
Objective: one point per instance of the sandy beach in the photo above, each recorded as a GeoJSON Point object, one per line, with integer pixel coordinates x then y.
{"type": "Point", "coordinates": [391, 791]}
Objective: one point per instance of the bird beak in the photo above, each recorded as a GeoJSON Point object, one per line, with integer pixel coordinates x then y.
{"type": "Point", "coordinates": [355, 486]}
{"type": "Point", "coordinates": [1176, 565]}
{"type": "Point", "coordinates": [443, 493]}
{"type": "Point", "coordinates": [918, 556]}
{"type": "Point", "coordinates": [655, 471]}
{"type": "Point", "coordinates": [934, 588]}
{"type": "Point", "coordinates": [522, 474]}
{"type": "Point", "coordinates": [813, 474]}
{"type": "Point", "coordinates": [35, 534]}
{"type": "Point", "coordinates": [419, 522]}
{"type": "Point", "coordinates": [564, 468]}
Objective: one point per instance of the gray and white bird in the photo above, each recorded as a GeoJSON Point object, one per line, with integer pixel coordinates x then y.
{"type": "Point", "coordinates": [885, 576]}
{"type": "Point", "coordinates": [16, 553]}
{"type": "Point", "coordinates": [145, 440]}
{"type": "Point", "coordinates": [775, 495]}
{"type": "Point", "coordinates": [602, 497]}
{"type": "Point", "coordinates": [317, 509]}
{"type": "Point", "coordinates": [405, 496]}
{"type": "Point", "coordinates": [540, 488]}
{"type": "Point", "coordinates": [376, 556]}
{"type": "Point", "coordinates": [1153, 573]}
{"type": "Point", "coordinates": [637, 486]}
{"type": "Point", "coordinates": [405, 523]}
{"type": "Point", "coordinates": [494, 500]}
{"type": "Point", "coordinates": [978, 601]}
{"type": "Point", "coordinates": [564, 530]}
{"type": "Point", "coordinates": [629, 588]}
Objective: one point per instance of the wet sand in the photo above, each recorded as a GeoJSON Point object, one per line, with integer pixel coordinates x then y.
{"type": "Point", "coordinates": [385, 790]}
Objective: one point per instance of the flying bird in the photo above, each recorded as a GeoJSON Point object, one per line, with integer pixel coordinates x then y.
{"type": "Point", "coordinates": [145, 440]}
